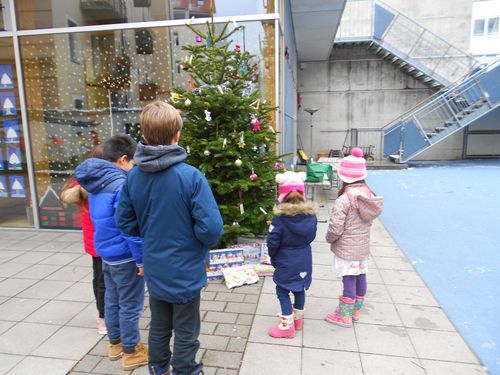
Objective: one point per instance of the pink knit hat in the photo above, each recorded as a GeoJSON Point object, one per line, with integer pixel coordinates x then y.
{"type": "Point", "coordinates": [352, 168]}
{"type": "Point", "coordinates": [290, 181]}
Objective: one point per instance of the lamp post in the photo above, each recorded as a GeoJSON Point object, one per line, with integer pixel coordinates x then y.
{"type": "Point", "coordinates": [311, 111]}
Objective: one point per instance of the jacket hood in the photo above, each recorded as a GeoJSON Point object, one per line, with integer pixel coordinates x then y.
{"type": "Point", "coordinates": [369, 208]}
{"type": "Point", "coordinates": [95, 175]}
{"type": "Point", "coordinates": [290, 209]}
{"type": "Point", "coordinates": [157, 158]}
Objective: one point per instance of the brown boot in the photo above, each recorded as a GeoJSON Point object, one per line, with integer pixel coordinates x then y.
{"type": "Point", "coordinates": [115, 351]}
{"type": "Point", "coordinates": [138, 358]}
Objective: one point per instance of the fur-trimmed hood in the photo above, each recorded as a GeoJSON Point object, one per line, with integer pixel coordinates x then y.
{"type": "Point", "coordinates": [290, 209]}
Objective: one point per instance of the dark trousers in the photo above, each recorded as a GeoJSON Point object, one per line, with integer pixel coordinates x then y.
{"type": "Point", "coordinates": [354, 286]}
{"type": "Point", "coordinates": [184, 321]}
{"type": "Point", "coordinates": [285, 302]}
{"type": "Point", "coordinates": [98, 285]}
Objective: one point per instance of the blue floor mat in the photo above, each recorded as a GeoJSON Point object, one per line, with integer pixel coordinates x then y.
{"type": "Point", "coordinates": [445, 216]}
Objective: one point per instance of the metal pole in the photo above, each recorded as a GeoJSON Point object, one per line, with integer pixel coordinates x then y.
{"type": "Point", "coordinates": [311, 111]}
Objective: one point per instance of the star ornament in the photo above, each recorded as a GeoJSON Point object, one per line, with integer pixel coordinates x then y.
{"type": "Point", "coordinates": [241, 144]}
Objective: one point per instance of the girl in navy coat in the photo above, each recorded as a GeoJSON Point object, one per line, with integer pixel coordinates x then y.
{"type": "Point", "coordinates": [289, 242]}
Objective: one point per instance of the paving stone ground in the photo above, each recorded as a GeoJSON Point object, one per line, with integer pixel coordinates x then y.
{"type": "Point", "coordinates": [48, 317]}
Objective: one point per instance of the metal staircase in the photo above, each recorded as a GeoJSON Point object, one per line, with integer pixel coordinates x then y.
{"type": "Point", "coordinates": [466, 90]}
{"type": "Point", "coordinates": [403, 42]}
{"type": "Point", "coordinates": [443, 114]}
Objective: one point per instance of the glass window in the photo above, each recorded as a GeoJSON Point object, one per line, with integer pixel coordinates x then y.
{"type": "Point", "coordinates": [38, 14]}
{"type": "Point", "coordinates": [5, 24]}
{"type": "Point", "coordinates": [72, 107]}
{"type": "Point", "coordinates": [15, 200]}
{"type": "Point", "coordinates": [493, 25]}
{"type": "Point", "coordinates": [478, 27]}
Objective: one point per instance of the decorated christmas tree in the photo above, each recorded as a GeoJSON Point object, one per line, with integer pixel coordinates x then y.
{"type": "Point", "coordinates": [227, 131]}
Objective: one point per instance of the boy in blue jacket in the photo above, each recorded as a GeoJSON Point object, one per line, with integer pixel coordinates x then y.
{"type": "Point", "coordinates": [121, 254]}
{"type": "Point", "coordinates": [171, 206]}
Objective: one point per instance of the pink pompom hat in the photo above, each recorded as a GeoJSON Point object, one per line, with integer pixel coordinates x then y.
{"type": "Point", "coordinates": [290, 181]}
{"type": "Point", "coordinates": [352, 168]}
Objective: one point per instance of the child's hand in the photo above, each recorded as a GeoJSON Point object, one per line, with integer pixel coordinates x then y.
{"type": "Point", "coordinates": [140, 271]}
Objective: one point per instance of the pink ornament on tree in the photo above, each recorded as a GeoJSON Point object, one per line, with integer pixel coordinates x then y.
{"type": "Point", "coordinates": [237, 47]}
{"type": "Point", "coordinates": [198, 38]}
{"type": "Point", "coordinates": [253, 176]}
{"type": "Point", "coordinates": [255, 124]}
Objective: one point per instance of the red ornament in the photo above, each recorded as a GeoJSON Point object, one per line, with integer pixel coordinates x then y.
{"type": "Point", "coordinates": [237, 47]}
{"type": "Point", "coordinates": [255, 125]}
{"type": "Point", "coordinates": [198, 38]}
{"type": "Point", "coordinates": [184, 67]}
{"type": "Point", "coordinates": [253, 176]}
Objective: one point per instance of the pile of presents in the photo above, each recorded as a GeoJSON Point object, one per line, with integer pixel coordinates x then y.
{"type": "Point", "coordinates": [240, 264]}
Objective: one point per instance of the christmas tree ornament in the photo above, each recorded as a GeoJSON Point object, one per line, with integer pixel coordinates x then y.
{"type": "Point", "coordinates": [219, 87]}
{"type": "Point", "coordinates": [278, 166]}
{"type": "Point", "coordinates": [198, 38]}
{"type": "Point", "coordinates": [255, 124]}
{"type": "Point", "coordinates": [175, 97]}
{"type": "Point", "coordinates": [272, 129]}
{"type": "Point", "coordinates": [187, 102]}
{"type": "Point", "coordinates": [208, 115]}
{"type": "Point", "coordinates": [238, 162]}
{"type": "Point", "coordinates": [263, 211]}
{"type": "Point", "coordinates": [224, 143]}
{"type": "Point", "coordinates": [241, 142]}
{"type": "Point", "coordinates": [237, 47]}
{"type": "Point", "coordinates": [188, 150]}
{"type": "Point", "coordinates": [255, 149]}
{"type": "Point", "coordinates": [209, 41]}
{"type": "Point", "coordinates": [242, 209]}
{"type": "Point", "coordinates": [236, 224]}
{"type": "Point", "coordinates": [253, 176]}
{"type": "Point", "coordinates": [234, 134]}
{"type": "Point", "coordinates": [206, 152]}
{"type": "Point", "coordinates": [191, 83]}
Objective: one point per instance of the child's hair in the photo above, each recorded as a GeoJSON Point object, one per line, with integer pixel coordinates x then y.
{"type": "Point", "coordinates": [96, 152]}
{"type": "Point", "coordinates": [117, 146]}
{"type": "Point", "coordinates": [160, 122]}
{"type": "Point", "coordinates": [345, 185]}
{"type": "Point", "coordinates": [294, 197]}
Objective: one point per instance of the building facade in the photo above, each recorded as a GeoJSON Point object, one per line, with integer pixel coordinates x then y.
{"type": "Point", "coordinates": [75, 72]}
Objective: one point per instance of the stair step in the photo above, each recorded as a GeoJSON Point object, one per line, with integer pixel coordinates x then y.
{"type": "Point", "coordinates": [410, 69]}
{"type": "Point", "coordinates": [440, 129]}
{"type": "Point", "coordinates": [418, 74]}
{"type": "Point", "coordinates": [449, 123]}
{"type": "Point", "coordinates": [431, 134]}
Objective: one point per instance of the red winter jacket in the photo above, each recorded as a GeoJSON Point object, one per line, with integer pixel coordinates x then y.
{"type": "Point", "coordinates": [73, 195]}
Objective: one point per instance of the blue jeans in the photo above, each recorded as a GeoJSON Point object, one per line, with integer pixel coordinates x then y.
{"type": "Point", "coordinates": [123, 303]}
{"type": "Point", "coordinates": [184, 321]}
{"type": "Point", "coordinates": [285, 302]}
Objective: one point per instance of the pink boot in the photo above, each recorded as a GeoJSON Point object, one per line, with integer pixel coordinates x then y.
{"type": "Point", "coordinates": [285, 329]}
{"type": "Point", "coordinates": [357, 308]}
{"type": "Point", "coordinates": [298, 319]}
{"type": "Point", "coordinates": [343, 315]}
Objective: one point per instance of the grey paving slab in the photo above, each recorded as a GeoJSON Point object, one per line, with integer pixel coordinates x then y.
{"type": "Point", "coordinates": [17, 234]}
{"type": "Point", "coordinates": [392, 263]}
{"type": "Point", "coordinates": [31, 257]}
{"type": "Point", "coordinates": [37, 271]}
{"type": "Point", "coordinates": [16, 309]}
{"type": "Point", "coordinates": [45, 289]}
{"type": "Point", "coordinates": [384, 365]}
{"type": "Point", "coordinates": [325, 289]}
{"type": "Point", "coordinates": [327, 362]}
{"type": "Point", "coordinates": [79, 291]}
{"type": "Point", "coordinates": [441, 345]}
{"type": "Point", "coordinates": [9, 269]}
{"type": "Point", "coordinates": [425, 317]}
{"type": "Point", "coordinates": [54, 246]}
{"type": "Point", "coordinates": [75, 247]}
{"type": "Point", "coordinates": [46, 236]}
{"type": "Point", "coordinates": [389, 340]}
{"type": "Point", "coordinates": [411, 295]}
{"type": "Point", "coordinates": [8, 361]}
{"type": "Point", "coordinates": [323, 335]}
{"type": "Point", "coordinates": [284, 360]}
{"type": "Point", "coordinates": [24, 245]}
{"type": "Point", "coordinates": [378, 293]}
{"type": "Point", "coordinates": [381, 313]}
{"type": "Point", "coordinates": [23, 338]}
{"type": "Point", "coordinates": [69, 342]}
{"type": "Point", "coordinates": [70, 236]}
{"type": "Point", "coordinates": [402, 278]}
{"type": "Point", "coordinates": [70, 273]}
{"type": "Point", "coordinates": [82, 260]}
{"type": "Point", "coordinates": [228, 360]}
{"type": "Point", "coordinates": [11, 287]}
{"type": "Point", "coordinates": [386, 251]}
{"type": "Point", "coordinates": [60, 258]}
{"type": "Point", "coordinates": [56, 312]}
{"type": "Point", "coordinates": [5, 325]}
{"type": "Point", "coordinates": [6, 255]}
{"type": "Point", "coordinates": [37, 365]}
{"type": "Point", "coordinates": [452, 368]}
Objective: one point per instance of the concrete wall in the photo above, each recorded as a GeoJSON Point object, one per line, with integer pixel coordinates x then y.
{"type": "Point", "coordinates": [355, 89]}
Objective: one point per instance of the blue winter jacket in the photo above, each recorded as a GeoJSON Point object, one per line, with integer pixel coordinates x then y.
{"type": "Point", "coordinates": [170, 205]}
{"type": "Point", "coordinates": [103, 181]}
{"type": "Point", "coordinates": [289, 243]}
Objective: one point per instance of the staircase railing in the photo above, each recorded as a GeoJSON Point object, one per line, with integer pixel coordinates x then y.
{"type": "Point", "coordinates": [373, 20]}
{"type": "Point", "coordinates": [443, 114]}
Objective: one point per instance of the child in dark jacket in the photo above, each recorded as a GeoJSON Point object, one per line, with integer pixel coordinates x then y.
{"type": "Point", "coordinates": [170, 204]}
{"type": "Point", "coordinates": [73, 193]}
{"type": "Point", "coordinates": [121, 254]}
{"type": "Point", "coordinates": [292, 230]}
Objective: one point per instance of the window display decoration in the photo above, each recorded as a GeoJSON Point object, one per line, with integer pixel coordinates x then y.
{"type": "Point", "coordinates": [6, 78]}
{"type": "Point", "coordinates": [4, 193]}
{"type": "Point", "coordinates": [8, 103]}
{"type": "Point", "coordinates": [17, 186]}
